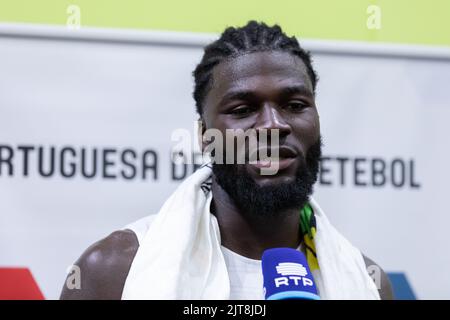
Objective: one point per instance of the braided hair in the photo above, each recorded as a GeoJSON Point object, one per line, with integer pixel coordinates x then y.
{"type": "Point", "coordinates": [233, 42]}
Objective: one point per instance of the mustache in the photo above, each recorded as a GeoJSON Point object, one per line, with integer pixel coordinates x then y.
{"type": "Point", "coordinates": [246, 153]}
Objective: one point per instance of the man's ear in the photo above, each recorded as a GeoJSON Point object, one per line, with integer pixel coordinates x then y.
{"type": "Point", "coordinates": [202, 143]}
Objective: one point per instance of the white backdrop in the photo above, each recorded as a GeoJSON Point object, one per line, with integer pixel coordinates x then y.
{"type": "Point", "coordinates": [122, 93]}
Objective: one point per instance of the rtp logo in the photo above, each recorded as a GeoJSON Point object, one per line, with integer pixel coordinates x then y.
{"type": "Point", "coordinates": [292, 274]}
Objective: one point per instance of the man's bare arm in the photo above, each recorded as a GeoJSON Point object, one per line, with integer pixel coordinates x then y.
{"type": "Point", "coordinates": [385, 288]}
{"type": "Point", "coordinates": [104, 267]}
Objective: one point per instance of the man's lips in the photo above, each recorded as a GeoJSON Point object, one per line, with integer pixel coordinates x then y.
{"type": "Point", "coordinates": [281, 152]}
{"type": "Point", "coordinates": [279, 158]}
{"type": "Point", "coordinates": [280, 163]}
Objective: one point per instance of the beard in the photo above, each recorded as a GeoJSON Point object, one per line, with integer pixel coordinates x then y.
{"type": "Point", "coordinates": [267, 201]}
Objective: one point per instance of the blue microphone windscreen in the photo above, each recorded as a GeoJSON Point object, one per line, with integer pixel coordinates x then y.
{"type": "Point", "coordinates": [287, 275]}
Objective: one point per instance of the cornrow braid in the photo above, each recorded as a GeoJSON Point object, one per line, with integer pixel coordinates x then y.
{"type": "Point", "coordinates": [253, 37]}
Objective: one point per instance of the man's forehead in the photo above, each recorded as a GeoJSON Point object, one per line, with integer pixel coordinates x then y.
{"type": "Point", "coordinates": [247, 70]}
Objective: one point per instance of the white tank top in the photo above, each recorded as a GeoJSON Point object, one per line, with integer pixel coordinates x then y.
{"type": "Point", "coordinates": [246, 280]}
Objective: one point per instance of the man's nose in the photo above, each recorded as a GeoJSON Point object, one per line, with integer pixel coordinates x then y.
{"type": "Point", "coordinates": [270, 118]}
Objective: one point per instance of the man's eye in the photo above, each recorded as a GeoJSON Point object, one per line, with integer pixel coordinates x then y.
{"type": "Point", "coordinates": [241, 111]}
{"type": "Point", "coordinates": [296, 106]}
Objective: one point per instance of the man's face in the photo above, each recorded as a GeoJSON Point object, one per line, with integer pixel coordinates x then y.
{"type": "Point", "coordinates": [266, 90]}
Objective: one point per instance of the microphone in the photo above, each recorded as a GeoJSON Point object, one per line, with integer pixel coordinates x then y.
{"type": "Point", "coordinates": [286, 275]}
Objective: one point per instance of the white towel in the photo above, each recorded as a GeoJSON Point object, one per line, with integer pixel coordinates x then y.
{"type": "Point", "coordinates": [180, 257]}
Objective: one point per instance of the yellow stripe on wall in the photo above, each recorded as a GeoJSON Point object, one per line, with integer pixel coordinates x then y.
{"type": "Point", "coordinates": [402, 21]}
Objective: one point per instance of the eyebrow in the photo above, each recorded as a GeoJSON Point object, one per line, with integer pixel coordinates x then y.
{"type": "Point", "coordinates": [250, 95]}
{"type": "Point", "coordinates": [301, 89]}
{"type": "Point", "coordinates": [238, 95]}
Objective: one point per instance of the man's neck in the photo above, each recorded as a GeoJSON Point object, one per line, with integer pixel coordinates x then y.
{"type": "Point", "coordinates": [250, 235]}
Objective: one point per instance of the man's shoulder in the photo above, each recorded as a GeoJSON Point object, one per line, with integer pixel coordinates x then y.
{"type": "Point", "coordinates": [380, 278]}
{"type": "Point", "coordinates": [104, 267]}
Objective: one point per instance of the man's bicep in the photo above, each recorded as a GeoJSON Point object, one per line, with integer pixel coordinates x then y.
{"type": "Point", "coordinates": [102, 269]}
{"type": "Point", "coordinates": [380, 278]}
{"type": "Point", "coordinates": [87, 280]}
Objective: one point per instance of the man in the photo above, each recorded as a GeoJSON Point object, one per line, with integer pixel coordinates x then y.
{"type": "Point", "coordinates": [253, 77]}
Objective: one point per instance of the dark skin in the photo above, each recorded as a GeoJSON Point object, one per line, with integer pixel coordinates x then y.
{"type": "Point", "coordinates": [266, 90]}
{"type": "Point", "coordinates": [263, 90]}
